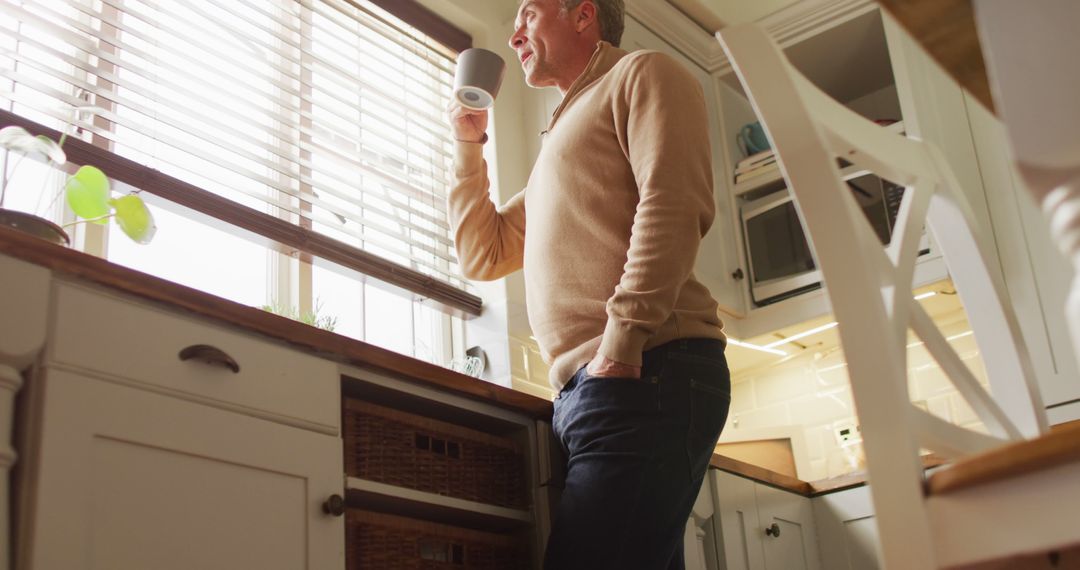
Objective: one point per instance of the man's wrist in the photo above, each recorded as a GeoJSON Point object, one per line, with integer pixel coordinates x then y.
{"type": "Point", "coordinates": [482, 140]}
{"type": "Point", "coordinates": [602, 366]}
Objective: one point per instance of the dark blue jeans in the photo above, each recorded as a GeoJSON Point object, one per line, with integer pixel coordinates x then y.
{"type": "Point", "coordinates": [637, 451]}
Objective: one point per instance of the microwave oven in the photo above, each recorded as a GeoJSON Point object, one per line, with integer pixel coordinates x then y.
{"type": "Point", "coordinates": [778, 256]}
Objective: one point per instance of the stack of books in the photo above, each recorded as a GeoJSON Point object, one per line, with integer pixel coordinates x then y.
{"type": "Point", "coordinates": [755, 165]}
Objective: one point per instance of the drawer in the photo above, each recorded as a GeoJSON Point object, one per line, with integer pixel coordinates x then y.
{"type": "Point", "coordinates": [377, 541]}
{"type": "Point", "coordinates": [390, 446]}
{"type": "Point", "coordinates": [134, 341]}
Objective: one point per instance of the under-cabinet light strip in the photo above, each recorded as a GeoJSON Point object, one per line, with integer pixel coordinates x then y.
{"type": "Point", "coordinates": [828, 326]}
{"type": "Point", "coordinates": [803, 334]}
{"type": "Point", "coordinates": [756, 347]}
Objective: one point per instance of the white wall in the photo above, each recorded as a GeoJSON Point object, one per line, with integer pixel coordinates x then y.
{"type": "Point", "coordinates": [811, 390]}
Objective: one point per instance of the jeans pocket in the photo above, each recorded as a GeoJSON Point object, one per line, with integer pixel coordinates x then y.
{"type": "Point", "coordinates": [708, 413]}
{"type": "Point", "coordinates": [709, 397]}
{"type": "Point", "coordinates": [614, 398]}
{"type": "Point", "coordinates": [562, 401]}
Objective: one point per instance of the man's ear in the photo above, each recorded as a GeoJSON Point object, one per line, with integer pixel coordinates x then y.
{"type": "Point", "coordinates": [586, 16]}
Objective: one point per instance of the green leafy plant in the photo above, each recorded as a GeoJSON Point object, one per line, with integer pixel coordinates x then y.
{"type": "Point", "coordinates": [312, 317]}
{"type": "Point", "coordinates": [87, 192]}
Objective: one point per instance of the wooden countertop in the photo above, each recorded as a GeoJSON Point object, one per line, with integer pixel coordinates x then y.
{"type": "Point", "coordinates": [72, 263]}
{"type": "Point", "coordinates": [75, 264]}
{"type": "Point", "coordinates": [805, 488]}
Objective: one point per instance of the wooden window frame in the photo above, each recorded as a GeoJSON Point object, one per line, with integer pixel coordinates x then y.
{"type": "Point", "coordinates": [280, 235]}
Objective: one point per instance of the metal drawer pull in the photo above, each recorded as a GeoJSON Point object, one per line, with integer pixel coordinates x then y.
{"type": "Point", "coordinates": [773, 531]}
{"type": "Point", "coordinates": [210, 355]}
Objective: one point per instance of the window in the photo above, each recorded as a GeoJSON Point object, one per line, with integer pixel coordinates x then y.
{"type": "Point", "coordinates": [314, 126]}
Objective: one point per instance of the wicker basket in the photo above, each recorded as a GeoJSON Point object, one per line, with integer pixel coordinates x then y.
{"type": "Point", "coordinates": [398, 448]}
{"type": "Point", "coordinates": [377, 541]}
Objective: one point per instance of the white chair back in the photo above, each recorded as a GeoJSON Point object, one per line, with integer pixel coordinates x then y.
{"type": "Point", "coordinates": [869, 285]}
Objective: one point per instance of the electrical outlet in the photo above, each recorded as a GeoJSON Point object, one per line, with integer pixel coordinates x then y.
{"type": "Point", "coordinates": [847, 433]}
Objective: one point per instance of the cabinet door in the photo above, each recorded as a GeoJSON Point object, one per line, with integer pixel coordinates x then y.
{"type": "Point", "coordinates": [934, 110]}
{"type": "Point", "coordinates": [792, 542]}
{"type": "Point", "coordinates": [699, 540]}
{"type": "Point", "coordinates": [847, 531]}
{"type": "Point", "coordinates": [740, 528]}
{"type": "Point", "coordinates": [1037, 275]}
{"type": "Point", "coordinates": [129, 479]}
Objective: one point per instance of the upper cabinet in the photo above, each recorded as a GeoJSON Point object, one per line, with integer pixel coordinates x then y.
{"type": "Point", "coordinates": [715, 14]}
{"type": "Point", "coordinates": [850, 56]}
{"type": "Point", "coordinates": [1035, 274]}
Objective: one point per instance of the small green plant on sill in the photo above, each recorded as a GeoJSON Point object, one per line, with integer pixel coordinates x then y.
{"type": "Point", "coordinates": [88, 191]}
{"type": "Point", "coordinates": [312, 317]}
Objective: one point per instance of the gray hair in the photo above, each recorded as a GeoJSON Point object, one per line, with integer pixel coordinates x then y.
{"type": "Point", "coordinates": [610, 14]}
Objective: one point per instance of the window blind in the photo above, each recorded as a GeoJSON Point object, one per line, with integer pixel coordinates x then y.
{"type": "Point", "coordinates": [325, 113]}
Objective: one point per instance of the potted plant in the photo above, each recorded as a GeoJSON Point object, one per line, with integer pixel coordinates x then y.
{"type": "Point", "coordinates": [87, 192]}
{"type": "Point", "coordinates": [311, 317]}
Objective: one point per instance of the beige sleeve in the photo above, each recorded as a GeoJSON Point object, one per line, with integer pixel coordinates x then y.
{"type": "Point", "coordinates": [668, 147]}
{"type": "Point", "coordinates": [490, 241]}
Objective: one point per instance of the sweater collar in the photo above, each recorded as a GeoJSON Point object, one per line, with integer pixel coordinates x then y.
{"type": "Point", "coordinates": [603, 59]}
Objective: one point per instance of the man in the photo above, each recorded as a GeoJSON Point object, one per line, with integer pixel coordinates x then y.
{"type": "Point", "coordinates": [617, 203]}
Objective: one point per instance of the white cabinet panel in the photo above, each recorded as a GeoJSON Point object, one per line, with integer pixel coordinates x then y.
{"type": "Point", "coordinates": [24, 298]}
{"type": "Point", "coordinates": [141, 343]}
{"type": "Point", "coordinates": [1012, 228]}
{"type": "Point", "coordinates": [700, 538]}
{"type": "Point", "coordinates": [847, 531]}
{"type": "Point", "coordinates": [794, 546]}
{"type": "Point", "coordinates": [746, 510]}
{"type": "Point", "coordinates": [935, 111]}
{"type": "Point", "coordinates": [130, 479]}
{"type": "Point", "coordinates": [1037, 275]}
{"type": "Point", "coordinates": [736, 504]}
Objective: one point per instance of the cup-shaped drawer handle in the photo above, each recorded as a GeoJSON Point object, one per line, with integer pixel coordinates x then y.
{"type": "Point", "coordinates": [210, 355]}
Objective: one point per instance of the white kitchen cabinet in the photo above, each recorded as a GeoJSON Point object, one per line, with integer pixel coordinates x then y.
{"type": "Point", "coordinates": [763, 528]}
{"type": "Point", "coordinates": [740, 526]}
{"type": "Point", "coordinates": [132, 457]}
{"type": "Point", "coordinates": [700, 537]}
{"type": "Point", "coordinates": [130, 479]}
{"type": "Point", "coordinates": [791, 538]}
{"type": "Point", "coordinates": [849, 56]}
{"type": "Point", "coordinates": [1036, 274]}
{"type": "Point", "coordinates": [847, 531]}
{"type": "Point", "coordinates": [24, 302]}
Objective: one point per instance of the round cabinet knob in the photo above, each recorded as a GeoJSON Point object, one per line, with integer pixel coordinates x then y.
{"type": "Point", "coordinates": [335, 506]}
{"type": "Point", "coordinates": [773, 531]}
{"type": "Point", "coordinates": [737, 274]}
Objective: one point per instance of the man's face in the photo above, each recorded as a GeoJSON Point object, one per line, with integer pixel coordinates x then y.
{"type": "Point", "coordinates": [543, 39]}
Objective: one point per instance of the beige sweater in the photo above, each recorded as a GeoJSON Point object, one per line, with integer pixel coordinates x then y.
{"type": "Point", "coordinates": [617, 203]}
